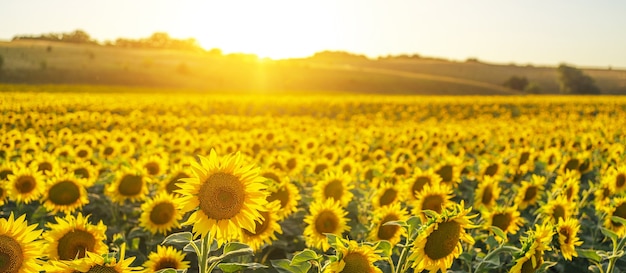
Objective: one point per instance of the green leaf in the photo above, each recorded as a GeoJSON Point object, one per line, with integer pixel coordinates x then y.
{"type": "Point", "coordinates": [189, 247]}
{"type": "Point", "coordinates": [618, 219]}
{"type": "Point", "coordinates": [430, 213]}
{"type": "Point", "coordinates": [304, 256]}
{"type": "Point", "coordinates": [384, 248]}
{"type": "Point", "coordinates": [234, 267]}
{"type": "Point", "coordinates": [396, 223]}
{"type": "Point", "coordinates": [284, 266]}
{"type": "Point", "coordinates": [181, 238]}
{"type": "Point", "coordinates": [589, 254]}
{"type": "Point", "coordinates": [414, 222]}
{"type": "Point", "coordinates": [608, 233]}
{"type": "Point", "coordinates": [498, 232]}
{"type": "Point", "coordinates": [233, 249]}
{"type": "Point", "coordinates": [332, 239]}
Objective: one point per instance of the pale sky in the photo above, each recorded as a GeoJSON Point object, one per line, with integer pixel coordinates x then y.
{"type": "Point", "coordinates": [546, 32]}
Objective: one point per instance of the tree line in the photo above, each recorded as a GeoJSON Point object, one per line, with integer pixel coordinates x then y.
{"type": "Point", "coordinates": [160, 40]}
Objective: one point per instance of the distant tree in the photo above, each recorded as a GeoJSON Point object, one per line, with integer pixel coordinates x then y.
{"type": "Point", "coordinates": [78, 36]}
{"type": "Point", "coordinates": [338, 55]}
{"type": "Point", "coordinates": [532, 88]}
{"type": "Point", "coordinates": [574, 81]}
{"type": "Point", "coordinates": [517, 83]}
{"type": "Point", "coordinates": [1, 62]}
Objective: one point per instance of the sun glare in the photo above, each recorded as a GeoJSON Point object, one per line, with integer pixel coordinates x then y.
{"type": "Point", "coordinates": [261, 28]}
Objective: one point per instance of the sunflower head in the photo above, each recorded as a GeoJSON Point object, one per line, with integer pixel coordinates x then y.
{"type": "Point", "coordinates": [265, 230]}
{"type": "Point", "coordinates": [487, 192]}
{"type": "Point", "coordinates": [567, 230]}
{"type": "Point", "coordinates": [325, 217]}
{"type": "Point", "coordinates": [439, 241]}
{"type": "Point", "coordinates": [537, 241]}
{"type": "Point", "coordinates": [506, 218]}
{"type": "Point", "coordinates": [288, 196]}
{"type": "Point", "coordinates": [165, 257]}
{"type": "Point", "coordinates": [391, 233]}
{"type": "Point", "coordinates": [435, 197]}
{"type": "Point", "coordinates": [26, 184]}
{"type": "Point", "coordinates": [558, 208]}
{"type": "Point", "coordinates": [225, 195]}
{"type": "Point", "coordinates": [72, 237]}
{"type": "Point", "coordinates": [354, 258]}
{"type": "Point", "coordinates": [65, 193]}
{"type": "Point", "coordinates": [130, 184]}
{"type": "Point", "coordinates": [617, 207]}
{"type": "Point", "coordinates": [530, 191]}
{"type": "Point", "coordinates": [160, 214]}
{"type": "Point", "coordinates": [336, 186]}
{"type": "Point", "coordinates": [20, 246]}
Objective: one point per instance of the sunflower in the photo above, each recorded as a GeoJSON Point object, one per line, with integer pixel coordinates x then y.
{"type": "Point", "coordinates": [439, 241]}
{"type": "Point", "coordinates": [391, 233]}
{"type": "Point", "coordinates": [399, 169]}
{"type": "Point", "coordinates": [265, 230]}
{"type": "Point", "coordinates": [160, 214]}
{"type": "Point", "coordinates": [419, 179]}
{"type": "Point", "coordinates": [492, 168]}
{"type": "Point", "coordinates": [349, 165]}
{"type": "Point", "coordinates": [288, 195]}
{"type": "Point", "coordinates": [45, 162]}
{"type": "Point", "coordinates": [616, 179]}
{"type": "Point", "coordinates": [72, 237]}
{"type": "Point", "coordinates": [20, 246]}
{"type": "Point", "coordinates": [173, 177]}
{"type": "Point", "coordinates": [130, 184]}
{"type": "Point", "coordinates": [449, 169]}
{"type": "Point", "coordinates": [568, 238]}
{"type": "Point", "coordinates": [86, 171]}
{"type": "Point", "coordinates": [387, 194]}
{"type": "Point", "coordinates": [617, 207]}
{"type": "Point", "coordinates": [335, 186]}
{"type": "Point", "coordinates": [109, 150]}
{"type": "Point", "coordinates": [530, 191]}
{"type": "Point", "coordinates": [558, 208]}
{"type": "Point", "coordinates": [225, 196]}
{"type": "Point", "coordinates": [434, 197]}
{"type": "Point", "coordinates": [325, 217]}
{"type": "Point", "coordinates": [568, 184]}
{"type": "Point", "coordinates": [25, 184]}
{"type": "Point", "coordinates": [83, 151]}
{"type": "Point", "coordinates": [533, 246]}
{"type": "Point", "coordinates": [551, 157]}
{"type": "Point", "coordinates": [65, 193]}
{"type": "Point", "coordinates": [354, 258]}
{"type": "Point", "coordinates": [96, 263]}
{"type": "Point", "coordinates": [506, 218]}
{"type": "Point", "coordinates": [487, 193]}
{"type": "Point", "coordinates": [153, 165]}
{"type": "Point", "coordinates": [165, 257]}
{"type": "Point", "coordinates": [321, 165]}
{"type": "Point", "coordinates": [523, 160]}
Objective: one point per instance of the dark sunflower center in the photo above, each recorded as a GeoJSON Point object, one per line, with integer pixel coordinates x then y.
{"type": "Point", "coordinates": [130, 185]}
{"type": "Point", "coordinates": [44, 166]}
{"type": "Point", "coordinates": [334, 189]}
{"type": "Point", "coordinates": [82, 172]}
{"type": "Point", "coordinates": [281, 194]}
{"type": "Point", "coordinates": [82, 153]}
{"type": "Point", "coordinates": [292, 163]}
{"type": "Point", "coordinates": [569, 192]}
{"type": "Point", "coordinates": [530, 194]}
{"type": "Point", "coordinates": [502, 220]}
{"type": "Point", "coordinates": [25, 184]}
{"type": "Point", "coordinates": [388, 197]}
{"type": "Point", "coordinates": [433, 202]}
{"type": "Point", "coordinates": [572, 164]}
{"type": "Point", "coordinates": [400, 171]}
{"type": "Point", "coordinates": [102, 269]}
{"type": "Point", "coordinates": [347, 168]}
{"type": "Point", "coordinates": [326, 222]}
{"type": "Point", "coordinates": [271, 175]}
{"type": "Point", "coordinates": [446, 173]}
{"type": "Point", "coordinates": [108, 151]}
{"type": "Point", "coordinates": [442, 241]}
{"type": "Point", "coordinates": [162, 213]}
{"type": "Point", "coordinates": [524, 158]}
{"type": "Point", "coordinates": [152, 168]}
{"type": "Point", "coordinates": [387, 232]}
{"type": "Point", "coordinates": [11, 256]}
{"type": "Point", "coordinates": [4, 174]}
{"type": "Point", "coordinates": [74, 244]}
{"type": "Point", "coordinates": [491, 170]}
{"type": "Point", "coordinates": [64, 193]}
{"type": "Point", "coordinates": [261, 225]}
{"type": "Point", "coordinates": [527, 266]}
{"type": "Point", "coordinates": [369, 174]}
{"type": "Point", "coordinates": [355, 263]}
{"type": "Point", "coordinates": [559, 212]}
{"type": "Point", "coordinates": [419, 183]}
{"type": "Point", "coordinates": [171, 185]}
{"type": "Point", "coordinates": [487, 195]}
{"type": "Point", "coordinates": [166, 263]}
{"type": "Point", "coordinates": [320, 168]}
{"type": "Point", "coordinates": [620, 180]}
{"type": "Point", "coordinates": [565, 232]}
{"type": "Point", "coordinates": [621, 212]}
{"type": "Point", "coordinates": [221, 196]}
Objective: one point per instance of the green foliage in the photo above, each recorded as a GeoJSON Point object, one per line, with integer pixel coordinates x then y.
{"type": "Point", "coordinates": [1, 62]}
{"type": "Point", "coordinates": [574, 81]}
{"type": "Point", "coordinates": [517, 83]}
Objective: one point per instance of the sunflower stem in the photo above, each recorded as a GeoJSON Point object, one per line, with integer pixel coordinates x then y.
{"type": "Point", "coordinates": [204, 255]}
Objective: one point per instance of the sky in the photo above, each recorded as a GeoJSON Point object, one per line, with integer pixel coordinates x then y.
{"type": "Point", "coordinates": [577, 32]}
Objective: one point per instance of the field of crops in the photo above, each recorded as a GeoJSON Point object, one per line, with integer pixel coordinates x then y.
{"type": "Point", "coordinates": [120, 182]}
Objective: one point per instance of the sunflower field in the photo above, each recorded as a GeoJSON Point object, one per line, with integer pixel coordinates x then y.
{"type": "Point", "coordinates": [138, 182]}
